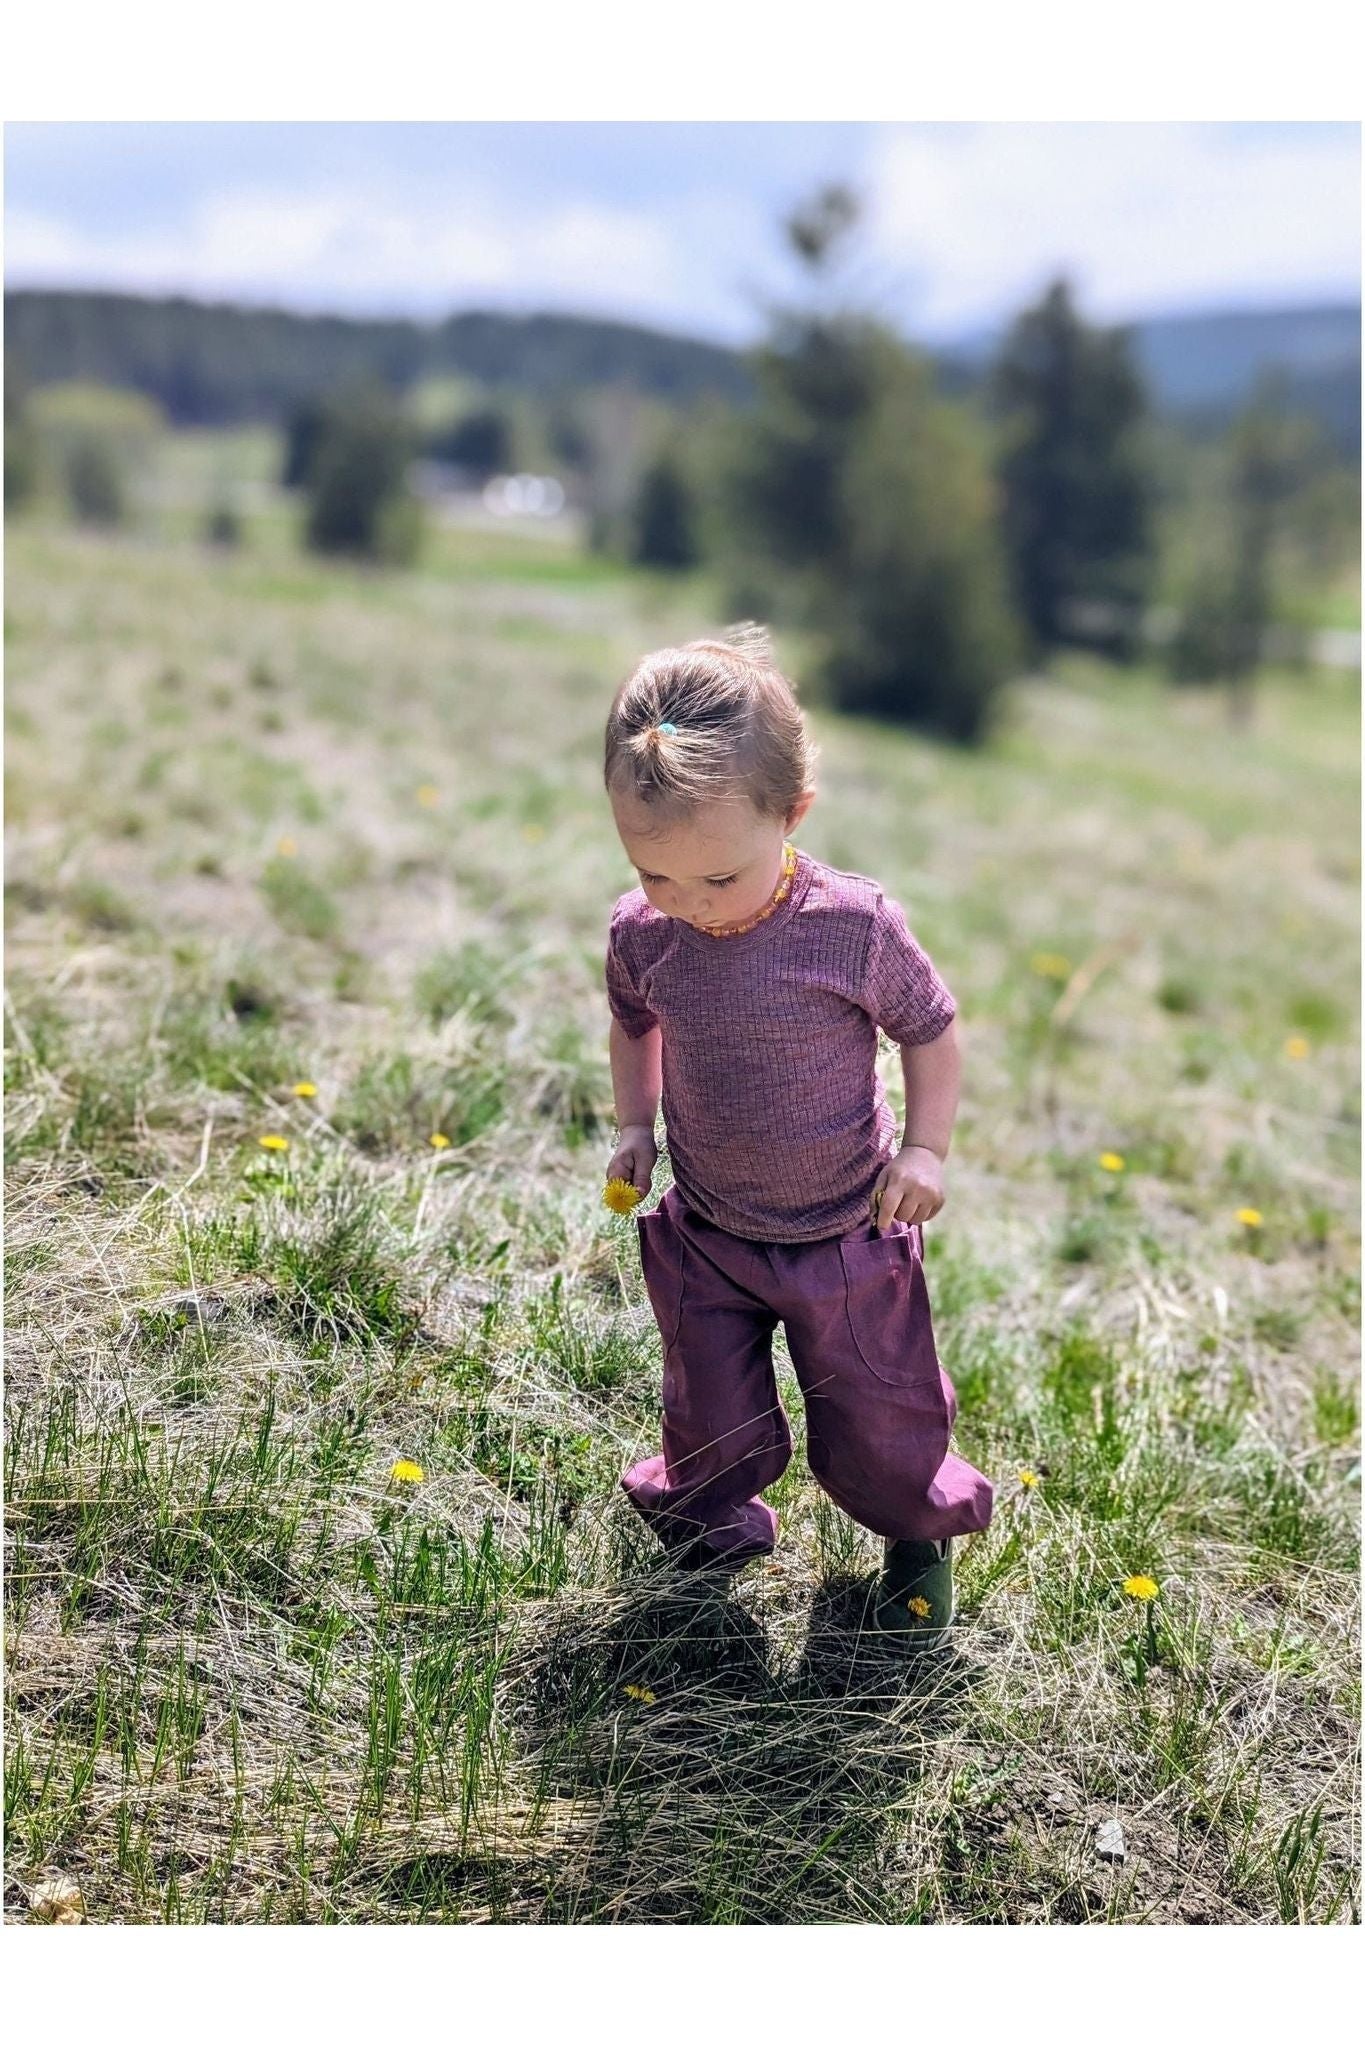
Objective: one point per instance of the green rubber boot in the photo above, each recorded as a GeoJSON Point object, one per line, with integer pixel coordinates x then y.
{"type": "Point", "coordinates": [915, 1595]}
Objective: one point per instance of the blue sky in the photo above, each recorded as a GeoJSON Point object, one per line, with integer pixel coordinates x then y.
{"type": "Point", "coordinates": [676, 223]}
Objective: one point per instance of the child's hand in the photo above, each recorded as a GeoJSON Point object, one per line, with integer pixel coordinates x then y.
{"type": "Point", "coordinates": [910, 1187]}
{"type": "Point", "coordinates": [634, 1157]}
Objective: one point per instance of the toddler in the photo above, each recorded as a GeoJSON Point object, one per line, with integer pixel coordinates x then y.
{"type": "Point", "coordinates": [748, 981]}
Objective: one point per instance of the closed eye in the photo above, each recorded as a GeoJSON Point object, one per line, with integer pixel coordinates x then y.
{"type": "Point", "coordinates": [723, 882]}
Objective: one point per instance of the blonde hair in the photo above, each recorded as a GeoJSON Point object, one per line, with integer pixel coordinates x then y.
{"type": "Point", "coordinates": [739, 728]}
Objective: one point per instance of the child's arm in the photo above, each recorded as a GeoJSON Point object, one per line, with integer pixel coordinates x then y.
{"type": "Point", "coordinates": [911, 1185]}
{"type": "Point", "coordinates": [933, 1084]}
{"type": "Point", "coordinates": [636, 1078]}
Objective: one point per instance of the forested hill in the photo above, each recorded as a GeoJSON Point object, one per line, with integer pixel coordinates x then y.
{"type": "Point", "coordinates": [215, 364]}
{"type": "Point", "coordinates": [1201, 368]}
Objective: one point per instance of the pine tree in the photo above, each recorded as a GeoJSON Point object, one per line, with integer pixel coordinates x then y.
{"type": "Point", "coordinates": [664, 517]}
{"type": "Point", "coordinates": [358, 502]}
{"type": "Point", "coordinates": [1077, 497]}
{"type": "Point", "coordinates": [861, 506]}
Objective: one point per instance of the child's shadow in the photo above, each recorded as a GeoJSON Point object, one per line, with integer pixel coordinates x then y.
{"type": "Point", "coordinates": [847, 1658]}
{"type": "Point", "coordinates": [727, 1784]}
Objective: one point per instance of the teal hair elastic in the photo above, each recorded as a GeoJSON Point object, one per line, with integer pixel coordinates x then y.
{"type": "Point", "coordinates": [667, 727]}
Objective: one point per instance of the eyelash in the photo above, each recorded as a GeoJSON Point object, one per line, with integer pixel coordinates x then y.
{"type": "Point", "coordinates": [729, 880]}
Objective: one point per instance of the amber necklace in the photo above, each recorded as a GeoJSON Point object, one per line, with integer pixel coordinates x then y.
{"type": "Point", "coordinates": [783, 888]}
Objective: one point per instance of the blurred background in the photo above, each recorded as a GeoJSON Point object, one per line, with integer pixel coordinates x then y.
{"type": "Point", "coordinates": [945, 396]}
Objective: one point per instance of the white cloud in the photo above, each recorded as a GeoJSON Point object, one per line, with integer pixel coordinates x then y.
{"type": "Point", "coordinates": [965, 222]}
{"type": "Point", "coordinates": [1143, 216]}
{"type": "Point", "coordinates": [356, 251]}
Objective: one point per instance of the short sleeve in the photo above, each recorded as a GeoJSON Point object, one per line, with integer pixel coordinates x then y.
{"type": "Point", "coordinates": [633, 1015]}
{"type": "Point", "coordinates": [902, 990]}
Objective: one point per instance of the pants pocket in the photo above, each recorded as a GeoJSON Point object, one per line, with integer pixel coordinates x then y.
{"type": "Point", "coordinates": [661, 1264]}
{"type": "Point", "coordinates": [887, 1299]}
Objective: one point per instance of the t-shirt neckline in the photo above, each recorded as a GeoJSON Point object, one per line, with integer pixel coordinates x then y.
{"type": "Point", "coordinates": [704, 941]}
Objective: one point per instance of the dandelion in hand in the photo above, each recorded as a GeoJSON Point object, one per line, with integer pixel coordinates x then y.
{"type": "Point", "coordinates": [272, 1141]}
{"type": "Point", "coordinates": [620, 1196]}
{"type": "Point", "coordinates": [1141, 1588]}
{"type": "Point", "coordinates": [407, 1473]}
{"type": "Point", "coordinates": [1112, 1161]}
{"type": "Point", "coordinates": [1251, 1218]}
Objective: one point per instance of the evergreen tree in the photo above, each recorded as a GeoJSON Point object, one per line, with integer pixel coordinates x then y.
{"type": "Point", "coordinates": [302, 436]}
{"type": "Point", "coordinates": [1077, 493]}
{"type": "Point", "coordinates": [913, 602]}
{"type": "Point", "coordinates": [94, 483]}
{"type": "Point", "coordinates": [1222, 631]}
{"type": "Point", "coordinates": [357, 498]}
{"type": "Point", "coordinates": [862, 508]}
{"type": "Point", "coordinates": [21, 448]}
{"type": "Point", "coordinates": [664, 517]}
{"type": "Point", "coordinates": [481, 442]}
{"type": "Point", "coordinates": [570, 442]}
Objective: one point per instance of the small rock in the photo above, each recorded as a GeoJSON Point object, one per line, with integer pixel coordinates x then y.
{"type": "Point", "coordinates": [1110, 1845]}
{"type": "Point", "coordinates": [202, 1308]}
{"type": "Point", "coordinates": [57, 1901]}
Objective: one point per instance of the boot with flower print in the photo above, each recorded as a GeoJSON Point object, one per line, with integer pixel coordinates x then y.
{"type": "Point", "coordinates": [914, 1597]}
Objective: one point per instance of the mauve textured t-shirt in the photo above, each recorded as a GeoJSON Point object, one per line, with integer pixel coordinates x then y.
{"type": "Point", "coordinates": [777, 1119]}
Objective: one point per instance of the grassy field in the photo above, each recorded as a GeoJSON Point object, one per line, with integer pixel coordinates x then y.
{"type": "Point", "coordinates": [275, 824]}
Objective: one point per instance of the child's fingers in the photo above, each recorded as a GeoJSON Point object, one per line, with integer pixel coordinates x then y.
{"type": "Point", "coordinates": [907, 1204]}
{"type": "Point", "coordinates": [637, 1167]}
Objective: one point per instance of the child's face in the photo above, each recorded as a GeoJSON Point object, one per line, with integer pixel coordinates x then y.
{"type": "Point", "coordinates": [718, 865]}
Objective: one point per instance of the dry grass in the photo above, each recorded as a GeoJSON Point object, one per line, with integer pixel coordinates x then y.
{"type": "Point", "coordinates": [252, 1677]}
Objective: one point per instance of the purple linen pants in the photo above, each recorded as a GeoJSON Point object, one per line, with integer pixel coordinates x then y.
{"type": "Point", "coordinates": [879, 1409]}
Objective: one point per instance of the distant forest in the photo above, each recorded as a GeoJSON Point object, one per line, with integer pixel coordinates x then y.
{"type": "Point", "coordinates": [218, 365]}
{"type": "Point", "coordinates": [215, 365]}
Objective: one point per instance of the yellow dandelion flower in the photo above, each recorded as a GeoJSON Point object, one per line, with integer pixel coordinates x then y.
{"type": "Point", "coordinates": [286, 848]}
{"type": "Point", "coordinates": [1053, 966]}
{"type": "Point", "coordinates": [1028, 1478]}
{"type": "Point", "coordinates": [428, 795]}
{"type": "Point", "coordinates": [407, 1473]}
{"type": "Point", "coordinates": [272, 1141]}
{"type": "Point", "coordinates": [439, 1141]}
{"type": "Point", "coordinates": [1251, 1217]}
{"type": "Point", "coordinates": [1297, 1048]}
{"type": "Point", "coordinates": [1141, 1588]}
{"type": "Point", "coordinates": [1112, 1161]}
{"type": "Point", "coordinates": [619, 1196]}
{"type": "Point", "coordinates": [305, 1090]}
{"type": "Point", "coordinates": [642, 1693]}
{"type": "Point", "coordinates": [920, 1608]}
